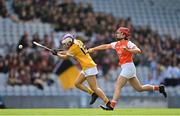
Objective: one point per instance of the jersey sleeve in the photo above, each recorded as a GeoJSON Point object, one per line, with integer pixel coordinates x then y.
{"type": "Point", "coordinates": [131, 45]}
{"type": "Point", "coordinates": [113, 44]}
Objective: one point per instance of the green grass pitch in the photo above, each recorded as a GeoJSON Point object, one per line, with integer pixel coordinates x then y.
{"type": "Point", "coordinates": [90, 112]}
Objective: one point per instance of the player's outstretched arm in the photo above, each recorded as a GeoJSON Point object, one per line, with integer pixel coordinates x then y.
{"type": "Point", "coordinates": [64, 54]}
{"type": "Point", "coordinates": [134, 50]}
{"type": "Point", "coordinates": [101, 47]}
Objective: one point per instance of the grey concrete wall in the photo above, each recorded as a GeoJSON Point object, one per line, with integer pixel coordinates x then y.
{"type": "Point", "coordinates": [83, 101]}
{"type": "Point", "coordinates": [41, 101]}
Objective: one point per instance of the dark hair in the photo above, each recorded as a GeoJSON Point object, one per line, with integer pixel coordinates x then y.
{"type": "Point", "coordinates": [126, 38]}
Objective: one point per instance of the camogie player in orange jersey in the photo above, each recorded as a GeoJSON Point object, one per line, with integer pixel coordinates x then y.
{"type": "Point", "coordinates": [76, 49]}
{"type": "Point", "coordinates": [125, 50]}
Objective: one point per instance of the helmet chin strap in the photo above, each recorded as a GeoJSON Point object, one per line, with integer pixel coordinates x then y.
{"type": "Point", "coordinates": [70, 45]}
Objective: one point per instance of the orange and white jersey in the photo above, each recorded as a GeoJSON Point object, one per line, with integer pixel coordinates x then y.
{"type": "Point", "coordinates": [124, 56]}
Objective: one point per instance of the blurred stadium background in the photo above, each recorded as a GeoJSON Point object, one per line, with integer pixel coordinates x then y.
{"type": "Point", "coordinates": [30, 77]}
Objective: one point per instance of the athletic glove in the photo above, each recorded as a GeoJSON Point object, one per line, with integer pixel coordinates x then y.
{"type": "Point", "coordinates": [54, 51]}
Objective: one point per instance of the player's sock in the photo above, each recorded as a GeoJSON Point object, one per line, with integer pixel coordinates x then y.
{"type": "Point", "coordinates": [156, 88]}
{"type": "Point", "coordinates": [113, 103]}
{"type": "Point", "coordinates": [107, 101]}
{"type": "Point", "coordinates": [94, 97]}
{"type": "Point", "coordinates": [90, 91]}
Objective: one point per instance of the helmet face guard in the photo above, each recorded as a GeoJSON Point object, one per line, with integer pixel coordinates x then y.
{"type": "Point", "coordinates": [67, 40]}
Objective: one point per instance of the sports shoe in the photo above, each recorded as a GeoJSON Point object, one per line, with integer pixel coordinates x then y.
{"type": "Point", "coordinates": [107, 107]}
{"type": "Point", "coordinates": [94, 97]}
{"type": "Point", "coordinates": [162, 90]}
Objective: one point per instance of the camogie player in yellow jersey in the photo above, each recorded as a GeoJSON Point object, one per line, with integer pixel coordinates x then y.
{"type": "Point", "coordinates": [76, 49]}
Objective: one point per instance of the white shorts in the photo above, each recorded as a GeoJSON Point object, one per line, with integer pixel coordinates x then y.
{"type": "Point", "coordinates": [128, 70]}
{"type": "Point", "coordinates": [90, 71]}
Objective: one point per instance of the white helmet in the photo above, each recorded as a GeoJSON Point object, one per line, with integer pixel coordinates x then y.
{"type": "Point", "coordinates": [67, 40]}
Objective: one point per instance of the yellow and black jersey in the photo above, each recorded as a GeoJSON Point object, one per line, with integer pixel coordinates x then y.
{"type": "Point", "coordinates": [80, 53]}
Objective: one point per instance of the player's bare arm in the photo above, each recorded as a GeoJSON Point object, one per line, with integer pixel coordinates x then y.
{"type": "Point", "coordinates": [101, 47]}
{"type": "Point", "coordinates": [134, 50]}
{"type": "Point", "coordinates": [64, 54]}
